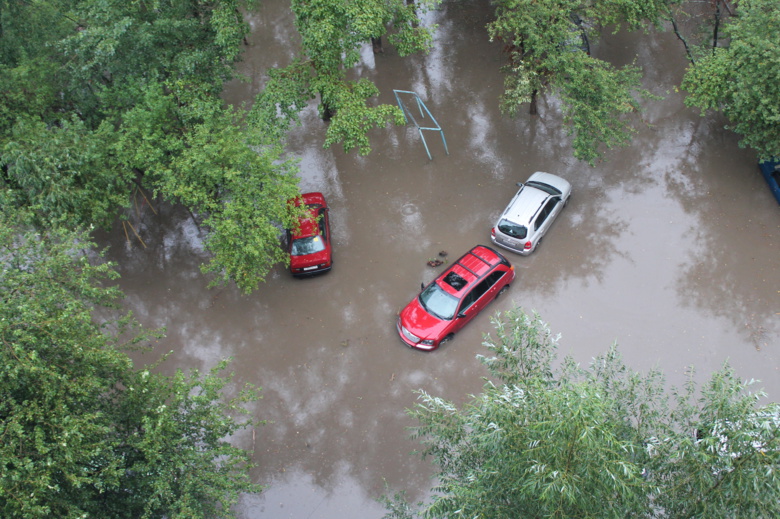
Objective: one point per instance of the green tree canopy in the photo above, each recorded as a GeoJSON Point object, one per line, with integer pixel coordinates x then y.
{"type": "Point", "coordinates": [84, 433]}
{"type": "Point", "coordinates": [548, 46]}
{"type": "Point", "coordinates": [742, 80]}
{"type": "Point", "coordinates": [549, 438]}
{"type": "Point", "coordinates": [101, 98]}
{"type": "Point", "coordinates": [332, 34]}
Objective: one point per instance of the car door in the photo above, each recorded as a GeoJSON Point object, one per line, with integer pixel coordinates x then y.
{"type": "Point", "coordinates": [324, 224]}
{"type": "Point", "coordinates": [473, 302]}
{"type": "Point", "coordinates": [493, 279]}
{"type": "Point", "coordinates": [546, 216]}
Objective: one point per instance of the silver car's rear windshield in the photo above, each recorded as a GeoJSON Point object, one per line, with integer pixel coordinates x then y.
{"type": "Point", "coordinates": [438, 302]}
{"type": "Point", "coordinates": [512, 229]}
{"type": "Point", "coordinates": [547, 188]}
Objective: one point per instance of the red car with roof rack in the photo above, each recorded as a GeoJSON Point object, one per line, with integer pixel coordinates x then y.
{"type": "Point", "coordinates": [310, 244]}
{"type": "Point", "coordinates": [454, 298]}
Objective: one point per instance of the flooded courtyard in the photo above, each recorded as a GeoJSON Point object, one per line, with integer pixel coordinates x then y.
{"type": "Point", "coordinates": [669, 247]}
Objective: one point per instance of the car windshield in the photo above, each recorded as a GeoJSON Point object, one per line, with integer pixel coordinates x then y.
{"type": "Point", "coordinates": [438, 302]}
{"type": "Point", "coordinates": [310, 245]}
{"type": "Point", "coordinates": [512, 229]}
{"type": "Point", "coordinates": [547, 188]}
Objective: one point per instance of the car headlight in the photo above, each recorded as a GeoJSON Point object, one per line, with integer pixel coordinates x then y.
{"type": "Point", "coordinates": [427, 342]}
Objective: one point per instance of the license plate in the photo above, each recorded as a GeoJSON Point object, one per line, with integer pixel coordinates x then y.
{"type": "Point", "coordinates": [310, 268]}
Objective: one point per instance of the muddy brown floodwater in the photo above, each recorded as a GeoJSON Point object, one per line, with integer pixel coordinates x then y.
{"type": "Point", "coordinates": [670, 247]}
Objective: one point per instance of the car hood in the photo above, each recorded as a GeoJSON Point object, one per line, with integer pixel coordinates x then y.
{"type": "Point", "coordinates": [424, 325]}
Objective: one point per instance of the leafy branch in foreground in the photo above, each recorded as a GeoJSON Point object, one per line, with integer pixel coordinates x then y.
{"type": "Point", "coordinates": [99, 99]}
{"type": "Point", "coordinates": [549, 438]}
{"type": "Point", "coordinates": [83, 432]}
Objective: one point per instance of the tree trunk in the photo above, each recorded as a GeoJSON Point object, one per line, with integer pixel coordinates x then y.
{"type": "Point", "coordinates": [327, 112]}
{"type": "Point", "coordinates": [376, 43]}
{"type": "Point", "coordinates": [533, 110]}
{"type": "Point", "coordinates": [411, 2]}
{"type": "Point", "coordinates": [717, 26]}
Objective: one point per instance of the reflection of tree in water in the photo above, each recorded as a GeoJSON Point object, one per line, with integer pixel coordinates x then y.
{"type": "Point", "coordinates": [710, 281]}
{"type": "Point", "coordinates": [586, 235]}
{"type": "Point", "coordinates": [730, 246]}
{"type": "Point", "coordinates": [319, 426]}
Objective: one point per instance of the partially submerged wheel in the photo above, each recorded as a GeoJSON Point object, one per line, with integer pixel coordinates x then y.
{"type": "Point", "coordinates": [447, 339]}
{"type": "Point", "coordinates": [503, 289]}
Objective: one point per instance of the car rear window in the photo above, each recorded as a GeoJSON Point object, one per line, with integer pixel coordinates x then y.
{"type": "Point", "coordinates": [547, 188]}
{"type": "Point", "coordinates": [304, 246]}
{"type": "Point", "coordinates": [512, 229]}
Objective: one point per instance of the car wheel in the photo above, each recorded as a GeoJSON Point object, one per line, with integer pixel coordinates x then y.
{"type": "Point", "coordinates": [503, 289]}
{"type": "Point", "coordinates": [447, 339]}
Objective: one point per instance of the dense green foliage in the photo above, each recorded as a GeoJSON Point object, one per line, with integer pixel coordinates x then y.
{"type": "Point", "coordinates": [549, 438]}
{"type": "Point", "coordinates": [332, 34]}
{"type": "Point", "coordinates": [84, 434]}
{"type": "Point", "coordinates": [99, 98]}
{"type": "Point", "coordinates": [547, 44]}
{"type": "Point", "coordinates": [742, 80]}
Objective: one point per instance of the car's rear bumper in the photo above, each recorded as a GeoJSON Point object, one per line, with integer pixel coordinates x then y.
{"type": "Point", "coordinates": [309, 273]}
{"type": "Point", "coordinates": [522, 252]}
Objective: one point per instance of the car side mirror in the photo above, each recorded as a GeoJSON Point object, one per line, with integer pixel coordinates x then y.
{"type": "Point", "coordinates": [461, 315]}
{"type": "Point", "coordinates": [519, 184]}
{"type": "Point", "coordinates": [422, 286]}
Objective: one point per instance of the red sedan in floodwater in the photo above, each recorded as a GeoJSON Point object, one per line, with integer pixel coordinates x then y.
{"type": "Point", "coordinates": [454, 298]}
{"type": "Point", "coordinates": [310, 244]}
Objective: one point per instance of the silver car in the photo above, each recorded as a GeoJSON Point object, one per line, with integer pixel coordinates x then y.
{"type": "Point", "coordinates": [524, 222]}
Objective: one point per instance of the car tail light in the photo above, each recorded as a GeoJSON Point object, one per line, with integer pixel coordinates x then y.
{"type": "Point", "coordinates": [493, 232]}
{"type": "Point", "coordinates": [528, 245]}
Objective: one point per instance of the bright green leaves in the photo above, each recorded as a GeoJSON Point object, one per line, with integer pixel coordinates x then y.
{"type": "Point", "coordinates": [83, 432]}
{"type": "Point", "coordinates": [596, 97]}
{"type": "Point", "coordinates": [547, 54]}
{"type": "Point", "coordinates": [743, 79]}
{"type": "Point", "coordinates": [118, 95]}
{"type": "Point", "coordinates": [177, 458]}
{"type": "Point", "coordinates": [353, 117]}
{"type": "Point", "coordinates": [549, 438]}
{"type": "Point", "coordinates": [56, 374]}
{"type": "Point", "coordinates": [62, 173]}
{"type": "Point", "coordinates": [239, 183]}
{"type": "Point", "coordinates": [722, 452]}
{"type": "Point", "coordinates": [633, 13]}
{"type": "Point", "coordinates": [536, 443]}
{"type": "Point", "coordinates": [332, 35]}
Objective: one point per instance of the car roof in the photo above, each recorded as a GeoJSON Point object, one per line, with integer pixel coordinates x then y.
{"type": "Point", "coordinates": [309, 226]}
{"type": "Point", "coordinates": [525, 204]}
{"type": "Point", "coordinates": [468, 269]}
{"type": "Point", "coordinates": [314, 197]}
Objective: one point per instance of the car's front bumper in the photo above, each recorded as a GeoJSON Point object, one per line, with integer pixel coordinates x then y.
{"type": "Point", "coordinates": [407, 341]}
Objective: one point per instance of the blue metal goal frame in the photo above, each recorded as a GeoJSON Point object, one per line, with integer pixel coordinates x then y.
{"type": "Point", "coordinates": [408, 115]}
